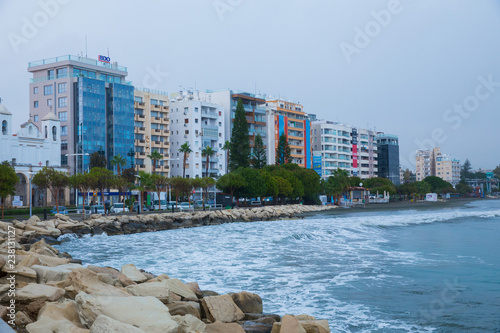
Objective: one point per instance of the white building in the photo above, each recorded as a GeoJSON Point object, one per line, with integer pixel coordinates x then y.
{"type": "Point", "coordinates": [344, 147]}
{"type": "Point", "coordinates": [29, 150]}
{"type": "Point", "coordinates": [201, 124]}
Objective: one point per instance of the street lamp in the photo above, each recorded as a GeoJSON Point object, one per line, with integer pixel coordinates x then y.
{"type": "Point", "coordinates": [139, 207]}
{"type": "Point", "coordinates": [30, 195]}
{"type": "Point", "coordinates": [76, 189]}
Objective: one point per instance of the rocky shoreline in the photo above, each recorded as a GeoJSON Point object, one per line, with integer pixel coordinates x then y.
{"type": "Point", "coordinates": [43, 290]}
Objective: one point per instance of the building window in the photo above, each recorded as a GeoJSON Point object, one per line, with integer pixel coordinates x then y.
{"type": "Point", "coordinates": [154, 102]}
{"type": "Point", "coordinates": [195, 109]}
{"type": "Point", "coordinates": [64, 144]}
{"type": "Point", "coordinates": [186, 121]}
{"type": "Point", "coordinates": [64, 160]}
{"type": "Point", "coordinates": [35, 90]}
{"type": "Point", "coordinates": [35, 118]}
{"type": "Point", "coordinates": [50, 74]}
{"type": "Point", "coordinates": [54, 133]}
{"type": "Point", "coordinates": [61, 88]}
{"type": "Point", "coordinates": [35, 104]}
{"type": "Point", "coordinates": [62, 72]}
{"type": "Point", "coordinates": [64, 130]}
{"type": "Point", "coordinates": [62, 102]}
{"type": "Point", "coordinates": [63, 116]}
{"type": "Point", "coordinates": [49, 102]}
{"type": "Point", "coordinates": [4, 127]}
{"type": "Point", "coordinates": [47, 90]}
{"type": "Point", "coordinates": [196, 121]}
{"type": "Point", "coordinates": [138, 99]}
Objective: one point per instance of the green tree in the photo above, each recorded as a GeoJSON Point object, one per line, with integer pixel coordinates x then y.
{"type": "Point", "coordinates": [129, 175]}
{"type": "Point", "coordinates": [408, 189]}
{"type": "Point", "coordinates": [155, 157]}
{"type": "Point", "coordinates": [423, 188]}
{"type": "Point", "coordinates": [284, 188]}
{"type": "Point", "coordinates": [438, 185]}
{"type": "Point", "coordinates": [119, 162]}
{"type": "Point", "coordinates": [259, 153]}
{"type": "Point", "coordinates": [463, 188]}
{"type": "Point", "coordinates": [180, 186]}
{"type": "Point", "coordinates": [53, 180]}
{"type": "Point", "coordinates": [8, 181]}
{"type": "Point", "coordinates": [496, 171]}
{"type": "Point", "coordinates": [355, 181]}
{"type": "Point", "coordinates": [144, 183]}
{"type": "Point", "coordinates": [283, 151]}
{"type": "Point", "coordinates": [97, 160]}
{"type": "Point", "coordinates": [407, 176]}
{"type": "Point", "coordinates": [205, 184]}
{"type": "Point", "coordinates": [311, 182]}
{"type": "Point", "coordinates": [380, 185]}
{"type": "Point", "coordinates": [240, 145]}
{"type": "Point", "coordinates": [255, 186]}
{"type": "Point", "coordinates": [465, 172]}
{"type": "Point", "coordinates": [227, 148]}
{"type": "Point", "coordinates": [185, 150]}
{"type": "Point", "coordinates": [272, 189]}
{"type": "Point", "coordinates": [337, 184]}
{"type": "Point", "coordinates": [159, 183]}
{"type": "Point", "coordinates": [207, 152]}
{"type": "Point", "coordinates": [100, 179]}
{"type": "Point", "coordinates": [230, 183]}
{"type": "Point", "coordinates": [80, 181]}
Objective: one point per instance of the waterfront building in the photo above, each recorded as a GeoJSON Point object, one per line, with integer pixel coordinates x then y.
{"type": "Point", "coordinates": [388, 158]}
{"type": "Point", "coordinates": [151, 131]}
{"type": "Point", "coordinates": [289, 118]}
{"type": "Point", "coordinates": [434, 163]}
{"type": "Point", "coordinates": [93, 101]}
{"type": "Point", "coordinates": [28, 151]}
{"type": "Point", "coordinates": [200, 123]}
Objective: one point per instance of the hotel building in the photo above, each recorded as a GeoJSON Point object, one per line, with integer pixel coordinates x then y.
{"type": "Point", "coordinates": [388, 157]}
{"type": "Point", "coordinates": [435, 163]}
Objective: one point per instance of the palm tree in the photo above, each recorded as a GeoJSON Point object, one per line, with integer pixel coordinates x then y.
{"type": "Point", "coordinates": [155, 156]}
{"type": "Point", "coordinates": [185, 149]}
{"type": "Point", "coordinates": [227, 147]}
{"type": "Point", "coordinates": [208, 152]}
{"type": "Point", "coordinates": [119, 161]}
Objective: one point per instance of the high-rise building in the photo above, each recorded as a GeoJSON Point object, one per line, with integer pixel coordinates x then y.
{"type": "Point", "coordinates": [255, 110]}
{"type": "Point", "coordinates": [434, 163]}
{"type": "Point", "coordinates": [201, 124]}
{"type": "Point", "coordinates": [344, 147]}
{"type": "Point", "coordinates": [151, 130]}
{"type": "Point", "coordinates": [289, 118]}
{"type": "Point", "coordinates": [388, 157]}
{"type": "Point", "coordinates": [93, 101]}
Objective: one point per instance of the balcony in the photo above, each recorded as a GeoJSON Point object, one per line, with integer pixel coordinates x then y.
{"type": "Point", "coordinates": [207, 114]}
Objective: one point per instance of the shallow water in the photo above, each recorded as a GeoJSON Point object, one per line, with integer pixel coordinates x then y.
{"type": "Point", "coordinates": [380, 271]}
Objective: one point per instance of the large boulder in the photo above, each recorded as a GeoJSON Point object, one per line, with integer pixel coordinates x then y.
{"type": "Point", "coordinates": [184, 308]}
{"type": "Point", "coordinates": [46, 324]}
{"type": "Point", "coordinates": [114, 273]}
{"type": "Point", "coordinates": [43, 248]}
{"type": "Point", "coordinates": [289, 324]}
{"type": "Point", "coordinates": [189, 324]}
{"type": "Point", "coordinates": [315, 326]}
{"type": "Point", "coordinates": [57, 273]}
{"type": "Point", "coordinates": [83, 279]}
{"type": "Point", "coordinates": [221, 308]}
{"type": "Point", "coordinates": [248, 302]}
{"type": "Point", "coordinates": [130, 271]}
{"type": "Point", "coordinates": [159, 290]}
{"type": "Point", "coordinates": [33, 297]}
{"type": "Point", "coordinates": [146, 313]}
{"type": "Point", "coordinates": [33, 258]}
{"type": "Point", "coordinates": [61, 311]}
{"type": "Point", "coordinates": [181, 289]}
{"type": "Point", "coordinates": [219, 327]}
{"type": "Point", "coordinates": [105, 324]}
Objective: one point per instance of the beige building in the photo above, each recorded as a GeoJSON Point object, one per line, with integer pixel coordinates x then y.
{"type": "Point", "coordinates": [151, 130]}
{"type": "Point", "coordinates": [435, 163]}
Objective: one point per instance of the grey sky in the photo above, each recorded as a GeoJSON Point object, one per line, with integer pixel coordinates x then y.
{"type": "Point", "coordinates": [427, 57]}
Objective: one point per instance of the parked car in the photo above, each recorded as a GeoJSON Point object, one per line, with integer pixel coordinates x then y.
{"type": "Point", "coordinates": [62, 210]}
{"type": "Point", "coordinates": [118, 208]}
{"type": "Point", "coordinates": [184, 206]}
{"type": "Point", "coordinates": [198, 204]}
{"type": "Point", "coordinates": [160, 205]}
{"type": "Point", "coordinates": [136, 207]}
{"type": "Point", "coordinates": [79, 210]}
{"type": "Point", "coordinates": [97, 209]}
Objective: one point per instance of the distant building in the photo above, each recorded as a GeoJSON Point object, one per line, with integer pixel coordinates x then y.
{"type": "Point", "coordinates": [388, 158]}
{"type": "Point", "coordinates": [201, 124]}
{"type": "Point", "coordinates": [289, 118]}
{"type": "Point", "coordinates": [151, 131]}
{"type": "Point", "coordinates": [28, 151]}
{"type": "Point", "coordinates": [93, 101]}
{"type": "Point", "coordinates": [435, 163]}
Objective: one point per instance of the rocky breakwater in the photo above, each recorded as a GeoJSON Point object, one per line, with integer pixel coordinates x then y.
{"type": "Point", "coordinates": [50, 292]}
{"type": "Point", "coordinates": [33, 229]}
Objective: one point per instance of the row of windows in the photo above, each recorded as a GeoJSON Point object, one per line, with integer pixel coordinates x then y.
{"type": "Point", "coordinates": [62, 102]}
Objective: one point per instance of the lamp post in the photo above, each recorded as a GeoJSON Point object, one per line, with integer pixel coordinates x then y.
{"type": "Point", "coordinates": [30, 194]}
{"type": "Point", "coordinates": [139, 207]}
{"type": "Point", "coordinates": [76, 169]}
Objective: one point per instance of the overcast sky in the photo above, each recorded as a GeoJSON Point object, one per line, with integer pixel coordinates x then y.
{"type": "Point", "coordinates": [424, 70]}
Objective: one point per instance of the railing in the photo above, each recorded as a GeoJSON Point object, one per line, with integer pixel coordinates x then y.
{"type": "Point", "coordinates": [82, 60]}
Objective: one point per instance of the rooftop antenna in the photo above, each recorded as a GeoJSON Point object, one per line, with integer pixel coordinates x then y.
{"type": "Point", "coordinates": [108, 51]}
{"type": "Point", "coordinates": [86, 46]}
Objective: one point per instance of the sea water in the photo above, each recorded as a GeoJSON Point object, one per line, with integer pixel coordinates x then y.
{"type": "Point", "coordinates": [411, 270]}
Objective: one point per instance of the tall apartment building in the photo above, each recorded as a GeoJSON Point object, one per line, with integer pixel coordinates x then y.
{"type": "Point", "coordinates": [151, 130]}
{"type": "Point", "coordinates": [255, 109]}
{"type": "Point", "coordinates": [289, 118]}
{"type": "Point", "coordinates": [435, 163]}
{"type": "Point", "coordinates": [201, 124]}
{"type": "Point", "coordinates": [388, 157]}
{"type": "Point", "coordinates": [93, 101]}
{"type": "Point", "coordinates": [344, 147]}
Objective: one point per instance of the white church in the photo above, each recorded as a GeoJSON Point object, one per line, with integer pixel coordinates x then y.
{"type": "Point", "coordinates": [29, 150]}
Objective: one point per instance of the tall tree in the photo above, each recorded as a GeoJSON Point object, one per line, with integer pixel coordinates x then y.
{"type": "Point", "coordinates": [283, 151]}
{"type": "Point", "coordinates": [81, 182]}
{"type": "Point", "coordinates": [337, 184]}
{"type": "Point", "coordinates": [205, 184]}
{"type": "Point", "coordinates": [259, 153]}
{"type": "Point", "coordinates": [208, 152]}
{"type": "Point", "coordinates": [160, 185]}
{"type": "Point", "coordinates": [155, 157]}
{"type": "Point", "coordinates": [496, 171]}
{"type": "Point", "coordinates": [240, 145]}
{"type": "Point", "coordinates": [230, 183]}
{"type": "Point", "coordinates": [52, 180]}
{"type": "Point", "coordinates": [100, 179]}
{"type": "Point", "coordinates": [97, 160]}
{"type": "Point", "coordinates": [8, 181]}
{"type": "Point", "coordinates": [227, 148]}
{"type": "Point", "coordinates": [185, 150]}
{"type": "Point", "coordinates": [118, 161]}
{"type": "Point", "coordinates": [465, 172]}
